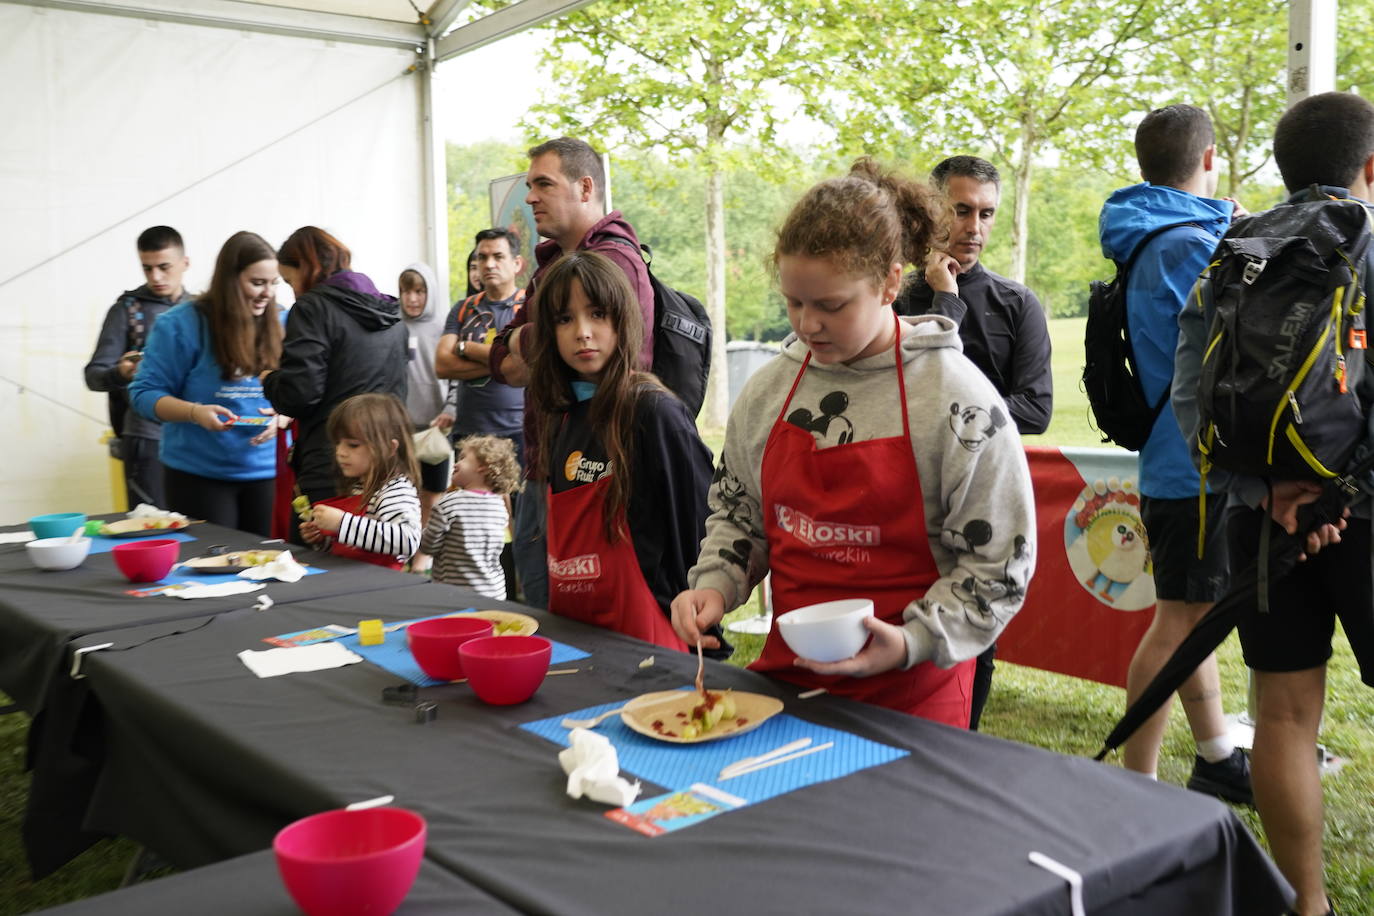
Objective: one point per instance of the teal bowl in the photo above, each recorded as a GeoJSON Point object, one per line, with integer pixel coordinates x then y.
{"type": "Point", "coordinates": [57, 525]}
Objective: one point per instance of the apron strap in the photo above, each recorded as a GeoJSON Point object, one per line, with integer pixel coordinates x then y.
{"type": "Point", "coordinates": [901, 376]}
{"type": "Point", "coordinates": [782, 414]}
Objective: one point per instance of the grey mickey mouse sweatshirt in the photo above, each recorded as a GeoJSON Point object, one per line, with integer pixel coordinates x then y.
{"type": "Point", "coordinates": [975, 484]}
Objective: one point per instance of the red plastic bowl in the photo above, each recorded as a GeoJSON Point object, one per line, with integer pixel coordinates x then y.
{"type": "Point", "coordinates": [351, 863]}
{"type": "Point", "coordinates": [506, 669]}
{"type": "Point", "coordinates": [434, 643]}
{"type": "Point", "coordinates": [146, 561]}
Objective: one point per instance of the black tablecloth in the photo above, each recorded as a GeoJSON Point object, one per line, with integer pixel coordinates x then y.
{"type": "Point", "coordinates": [42, 611]}
{"type": "Point", "coordinates": [251, 886]}
{"type": "Point", "coordinates": [204, 761]}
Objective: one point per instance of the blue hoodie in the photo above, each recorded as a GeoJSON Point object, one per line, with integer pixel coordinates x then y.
{"type": "Point", "coordinates": [1163, 275]}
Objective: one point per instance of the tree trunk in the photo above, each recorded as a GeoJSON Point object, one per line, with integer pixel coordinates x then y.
{"type": "Point", "coordinates": [717, 406]}
{"type": "Point", "coordinates": [1021, 188]}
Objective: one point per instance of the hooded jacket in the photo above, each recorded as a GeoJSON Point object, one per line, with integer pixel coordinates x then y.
{"type": "Point", "coordinates": [342, 338]}
{"type": "Point", "coordinates": [426, 392]}
{"type": "Point", "coordinates": [1161, 278]}
{"type": "Point", "coordinates": [972, 468]}
{"type": "Point", "coordinates": [114, 341]}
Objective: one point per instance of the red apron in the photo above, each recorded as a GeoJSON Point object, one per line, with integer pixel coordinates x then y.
{"type": "Point", "coordinates": [354, 505]}
{"type": "Point", "coordinates": [848, 522]}
{"type": "Point", "coordinates": [595, 581]}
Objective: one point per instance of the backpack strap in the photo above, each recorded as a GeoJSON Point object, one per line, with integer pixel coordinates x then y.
{"type": "Point", "coordinates": [136, 325]}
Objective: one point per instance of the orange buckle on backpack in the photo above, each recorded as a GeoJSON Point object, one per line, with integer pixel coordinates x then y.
{"type": "Point", "coordinates": [1358, 340]}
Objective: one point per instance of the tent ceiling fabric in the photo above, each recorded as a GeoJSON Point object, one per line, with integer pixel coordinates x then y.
{"type": "Point", "coordinates": [393, 10]}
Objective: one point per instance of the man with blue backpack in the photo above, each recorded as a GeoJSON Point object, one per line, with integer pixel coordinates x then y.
{"type": "Point", "coordinates": [1272, 389]}
{"type": "Point", "coordinates": [1161, 233]}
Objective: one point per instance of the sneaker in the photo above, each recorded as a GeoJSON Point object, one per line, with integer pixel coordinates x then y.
{"type": "Point", "coordinates": [1228, 779]}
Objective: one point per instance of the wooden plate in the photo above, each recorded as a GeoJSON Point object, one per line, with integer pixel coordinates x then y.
{"type": "Point", "coordinates": [227, 563]}
{"type": "Point", "coordinates": [133, 528]}
{"type": "Point", "coordinates": [508, 623]}
{"type": "Point", "coordinates": [663, 706]}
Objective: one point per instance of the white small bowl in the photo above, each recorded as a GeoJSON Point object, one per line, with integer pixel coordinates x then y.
{"type": "Point", "coordinates": [826, 632]}
{"type": "Point", "coordinates": [58, 553]}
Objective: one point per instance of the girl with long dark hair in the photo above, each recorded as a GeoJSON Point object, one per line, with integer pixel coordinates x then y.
{"type": "Point", "coordinates": [199, 376]}
{"type": "Point", "coordinates": [627, 472]}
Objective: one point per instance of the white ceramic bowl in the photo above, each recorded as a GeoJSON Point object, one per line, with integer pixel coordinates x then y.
{"type": "Point", "coordinates": [826, 632]}
{"type": "Point", "coordinates": [58, 553]}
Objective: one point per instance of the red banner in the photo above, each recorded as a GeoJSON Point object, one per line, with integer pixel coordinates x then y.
{"type": "Point", "coordinates": [1092, 597]}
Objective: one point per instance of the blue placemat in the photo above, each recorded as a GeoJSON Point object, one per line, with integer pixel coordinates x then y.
{"type": "Point", "coordinates": [105, 545]}
{"type": "Point", "coordinates": [678, 766]}
{"type": "Point", "coordinates": [147, 589]}
{"type": "Point", "coordinates": [394, 655]}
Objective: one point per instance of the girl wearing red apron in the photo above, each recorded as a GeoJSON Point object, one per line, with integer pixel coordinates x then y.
{"type": "Point", "coordinates": [379, 521]}
{"type": "Point", "coordinates": [868, 461]}
{"type": "Point", "coordinates": [626, 472]}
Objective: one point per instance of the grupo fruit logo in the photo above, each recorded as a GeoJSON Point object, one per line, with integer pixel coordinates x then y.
{"type": "Point", "coordinates": [571, 465]}
{"type": "Point", "coordinates": [587, 566]}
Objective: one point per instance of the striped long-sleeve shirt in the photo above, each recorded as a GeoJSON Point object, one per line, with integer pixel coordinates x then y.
{"type": "Point", "coordinates": [390, 524]}
{"type": "Point", "coordinates": [465, 534]}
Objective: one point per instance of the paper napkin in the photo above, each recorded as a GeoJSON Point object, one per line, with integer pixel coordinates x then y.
{"type": "Point", "coordinates": [272, 662]}
{"type": "Point", "coordinates": [594, 769]}
{"type": "Point", "coordinates": [284, 568]}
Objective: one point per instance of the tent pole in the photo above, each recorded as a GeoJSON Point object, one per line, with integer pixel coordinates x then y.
{"type": "Point", "coordinates": [1311, 48]}
{"type": "Point", "coordinates": [433, 180]}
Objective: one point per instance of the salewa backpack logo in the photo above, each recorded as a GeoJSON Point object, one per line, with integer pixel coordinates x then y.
{"type": "Point", "coordinates": [1286, 348]}
{"type": "Point", "coordinates": [587, 566]}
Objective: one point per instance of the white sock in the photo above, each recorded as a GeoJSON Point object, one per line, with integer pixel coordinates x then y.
{"type": "Point", "coordinates": [1215, 750]}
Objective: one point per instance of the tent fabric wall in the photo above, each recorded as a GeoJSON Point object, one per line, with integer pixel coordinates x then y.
{"type": "Point", "coordinates": [105, 117]}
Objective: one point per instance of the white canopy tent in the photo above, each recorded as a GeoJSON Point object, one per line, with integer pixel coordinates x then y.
{"type": "Point", "coordinates": [219, 115]}
{"type": "Point", "coordinates": [210, 116]}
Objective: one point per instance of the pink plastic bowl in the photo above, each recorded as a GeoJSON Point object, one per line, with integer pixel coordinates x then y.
{"type": "Point", "coordinates": [434, 643]}
{"type": "Point", "coordinates": [506, 669]}
{"type": "Point", "coordinates": [351, 863]}
{"type": "Point", "coordinates": [146, 561]}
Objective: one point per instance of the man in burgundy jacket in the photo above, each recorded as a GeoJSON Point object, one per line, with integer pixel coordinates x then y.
{"type": "Point", "coordinates": [567, 191]}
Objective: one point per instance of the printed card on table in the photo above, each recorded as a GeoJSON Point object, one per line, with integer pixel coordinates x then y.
{"type": "Point", "coordinates": [666, 813]}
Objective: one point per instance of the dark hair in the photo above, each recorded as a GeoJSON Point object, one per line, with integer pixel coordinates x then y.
{"type": "Point", "coordinates": [509, 235]}
{"type": "Point", "coordinates": [245, 344]}
{"type": "Point", "coordinates": [315, 253]}
{"type": "Point", "coordinates": [1324, 139]}
{"type": "Point", "coordinates": [473, 288]}
{"type": "Point", "coordinates": [578, 160]}
{"type": "Point", "coordinates": [1170, 141]}
{"type": "Point", "coordinates": [375, 420]}
{"type": "Point", "coordinates": [412, 279]}
{"type": "Point", "coordinates": [157, 238]}
{"type": "Point", "coordinates": [621, 384]}
{"type": "Point", "coordinates": [863, 223]}
{"type": "Point", "coordinates": [979, 170]}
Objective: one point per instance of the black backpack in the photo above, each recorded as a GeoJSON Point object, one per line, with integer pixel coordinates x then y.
{"type": "Point", "coordinates": [682, 339]}
{"type": "Point", "coordinates": [1110, 375]}
{"type": "Point", "coordinates": [1286, 347]}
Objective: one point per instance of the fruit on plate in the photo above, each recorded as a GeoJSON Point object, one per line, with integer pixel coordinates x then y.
{"type": "Point", "coordinates": [301, 504]}
{"type": "Point", "coordinates": [159, 523]}
{"type": "Point", "coordinates": [257, 557]}
{"type": "Point", "coordinates": [707, 714]}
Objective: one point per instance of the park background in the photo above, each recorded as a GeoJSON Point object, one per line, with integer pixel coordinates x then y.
{"type": "Point", "coordinates": [718, 115]}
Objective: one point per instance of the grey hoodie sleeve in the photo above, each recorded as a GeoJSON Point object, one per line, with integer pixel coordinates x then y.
{"type": "Point", "coordinates": [101, 372]}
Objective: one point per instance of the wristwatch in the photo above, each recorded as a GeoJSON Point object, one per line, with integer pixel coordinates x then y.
{"type": "Point", "coordinates": [463, 349]}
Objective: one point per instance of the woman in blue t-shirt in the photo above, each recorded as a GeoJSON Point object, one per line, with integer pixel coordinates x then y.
{"type": "Point", "coordinates": [199, 376]}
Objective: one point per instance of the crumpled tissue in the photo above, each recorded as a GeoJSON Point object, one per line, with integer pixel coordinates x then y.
{"type": "Point", "coordinates": [146, 510]}
{"type": "Point", "coordinates": [218, 590]}
{"type": "Point", "coordinates": [272, 662]}
{"type": "Point", "coordinates": [284, 568]}
{"type": "Point", "coordinates": [594, 769]}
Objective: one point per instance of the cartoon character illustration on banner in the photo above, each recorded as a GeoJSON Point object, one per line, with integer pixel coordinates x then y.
{"type": "Point", "coordinates": [1106, 545]}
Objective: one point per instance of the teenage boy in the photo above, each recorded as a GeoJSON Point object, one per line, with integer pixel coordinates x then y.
{"type": "Point", "coordinates": [1001, 323]}
{"type": "Point", "coordinates": [567, 191]}
{"type": "Point", "coordinates": [1170, 223]}
{"type": "Point", "coordinates": [119, 348]}
{"type": "Point", "coordinates": [1324, 147]}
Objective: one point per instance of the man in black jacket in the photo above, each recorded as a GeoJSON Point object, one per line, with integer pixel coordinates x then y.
{"type": "Point", "coordinates": [1001, 323]}
{"type": "Point", "coordinates": [120, 346]}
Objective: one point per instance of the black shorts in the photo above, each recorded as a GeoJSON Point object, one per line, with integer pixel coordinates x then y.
{"type": "Point", "coordinates": [434, 478]}
{"type": "Point", "coordinates": [1171, 525]}
{"type": "Point", "coordinates": [1296, 632]}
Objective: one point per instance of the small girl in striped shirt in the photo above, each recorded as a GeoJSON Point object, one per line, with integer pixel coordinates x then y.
{"type": "Point", "coordinates": [379, 519]}
{"type": "Point", "coordinates": [467, 528]}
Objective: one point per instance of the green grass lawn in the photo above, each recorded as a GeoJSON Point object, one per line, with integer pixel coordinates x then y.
{"type": "Point", "coordinates": [1048, 710]}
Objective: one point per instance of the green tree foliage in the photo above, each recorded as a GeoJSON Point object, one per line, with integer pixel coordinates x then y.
{"type": "Point", "coordinates": [470, 168]}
